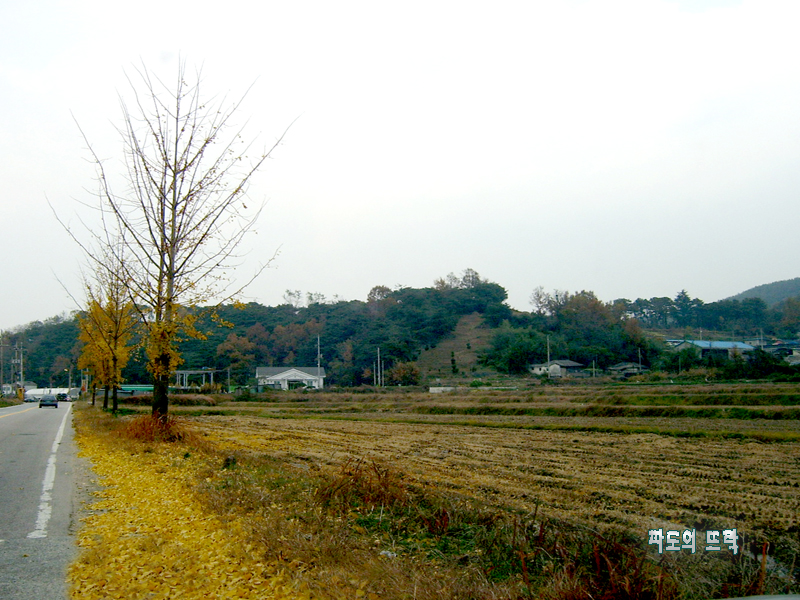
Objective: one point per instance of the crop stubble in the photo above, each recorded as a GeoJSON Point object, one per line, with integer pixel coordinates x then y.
{"type": "Point", "coordinates": [636, 481]}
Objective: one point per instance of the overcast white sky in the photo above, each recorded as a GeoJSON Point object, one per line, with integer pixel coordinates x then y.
{"type": "Point", "coordinates": [629, 147]}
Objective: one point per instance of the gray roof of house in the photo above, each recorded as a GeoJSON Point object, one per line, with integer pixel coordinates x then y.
{"type": "Point", "coordinates": [626, 365]}
{"type": "Point", "coordinates": [560, 363]}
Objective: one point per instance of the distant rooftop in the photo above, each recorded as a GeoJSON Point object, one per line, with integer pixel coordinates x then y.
{"type": "Point", "coordinates": [714, 345]}
{"type": "Point", "coordinates": [272, 371]}
{"type": "Point", "coordinates": [560, 363]}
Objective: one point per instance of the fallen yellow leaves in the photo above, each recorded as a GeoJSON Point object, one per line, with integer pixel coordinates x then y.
{"type": "Point", "coordinates": [149, 538]}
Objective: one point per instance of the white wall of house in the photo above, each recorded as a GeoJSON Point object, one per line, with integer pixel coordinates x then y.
{"type": "Point", "coordinates": [292, 377]}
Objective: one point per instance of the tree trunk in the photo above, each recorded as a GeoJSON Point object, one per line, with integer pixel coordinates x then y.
{"type": "Point", "coordinates": [115, 383]}
{"type": "Point", "coordinates": [161, 387]}
{"type": "Point", "coordinates": [105, 398]}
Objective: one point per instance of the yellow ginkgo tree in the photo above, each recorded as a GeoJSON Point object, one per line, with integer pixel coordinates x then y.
{"type": "Point", "coordinates": [181, 214]}
{"type": "Point", "coordinates": [107, 327]}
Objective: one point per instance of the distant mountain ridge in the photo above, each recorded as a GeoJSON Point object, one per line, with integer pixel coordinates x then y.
{"type": "Point", "coordinates": [772, 293]}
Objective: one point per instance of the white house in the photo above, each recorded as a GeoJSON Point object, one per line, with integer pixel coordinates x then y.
{"type": "Point", "coordinates": [794, 358]}
{"type": "Point", "coordinates": [286, 378]}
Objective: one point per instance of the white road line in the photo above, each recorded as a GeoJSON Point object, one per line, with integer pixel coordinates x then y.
{"type": "Point", "coordinates": [45, 502]}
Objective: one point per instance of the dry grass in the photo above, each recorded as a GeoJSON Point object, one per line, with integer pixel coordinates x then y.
{"type": "Point", "coordinates": [364, 527]}
{"type": "Point", "coordinates": [464, 344]}
{"type": "Point", "coordinates": [379, 509]}
{"type": "Point", "coordinates": [175, 400]}
{"type": "Point", "coordinates": [147, 428]}
{"type": "Point", "coordinates": [637, 481]}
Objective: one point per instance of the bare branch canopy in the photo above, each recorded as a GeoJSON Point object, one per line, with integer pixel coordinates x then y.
{"type": "Point", "coordinates": [183, 212]}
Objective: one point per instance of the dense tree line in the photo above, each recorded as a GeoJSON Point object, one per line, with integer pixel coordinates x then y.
{"type": "Point", "coordinates": [403, 322]}
{"type": "Point", "coordinates": [577, 326]}
{"type": "Point", "coordinates": [581, 328]}
{"type": "Point", "coordinates": [749, 317]}
{"type": "Point", "coordinates": [49, 351]}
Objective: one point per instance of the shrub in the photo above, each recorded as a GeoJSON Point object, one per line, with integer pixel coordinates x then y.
{"type": "Point", "coordinates": [364, 483]}
{"type": "Point", "coordinates": [154, 429]}
{"type": "Point", "coordinates": [404, 374]}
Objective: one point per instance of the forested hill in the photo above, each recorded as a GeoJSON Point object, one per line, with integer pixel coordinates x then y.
{"type": "Point", "coordinates": [400, 322]}
{"type": "Point", "coordinates": [772, 293]}
{"type": "Point", "coordinates": [405, 322]}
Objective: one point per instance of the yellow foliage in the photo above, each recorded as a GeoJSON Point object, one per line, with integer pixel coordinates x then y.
{"type": "Point", "coordinates": [148, 536]}
{"type": "Point", "coordinates": [106, 328]}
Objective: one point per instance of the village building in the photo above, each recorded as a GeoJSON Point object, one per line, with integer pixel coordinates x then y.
{"type": "Point", "coordinates": [704, 348]}
{"type": "Point", "coordinates": [558, 368]}
{"type": "Point", "coordinates": [626, 369]}
{"type": "Point", "coordinates": [288, 378]}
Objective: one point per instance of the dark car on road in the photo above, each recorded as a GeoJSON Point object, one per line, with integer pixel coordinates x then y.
{"type": "Point", "coordinates": [48, 400]}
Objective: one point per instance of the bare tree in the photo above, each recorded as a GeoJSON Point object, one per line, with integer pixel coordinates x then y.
{"type": "Point", "coordinates": [183, 214]}
{"type": "Point", "coordinates": [540, 300]}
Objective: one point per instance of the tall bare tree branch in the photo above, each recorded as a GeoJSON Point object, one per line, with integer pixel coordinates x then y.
{"type": "Point", "coordinates": [182, 216]}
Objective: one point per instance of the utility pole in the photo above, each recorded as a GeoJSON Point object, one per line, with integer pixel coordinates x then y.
{"type": "Point", "coordinates": [548, 357]}
{"type": "Point", "coordinates": [379, 370]}
{"type": "Point", "coordinates": [19, 359]}
{"type": "Point", "coordinates": [2, 361]}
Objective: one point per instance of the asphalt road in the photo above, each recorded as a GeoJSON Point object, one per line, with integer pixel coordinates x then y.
{"type": "Point", "coordinates": [37, 501]}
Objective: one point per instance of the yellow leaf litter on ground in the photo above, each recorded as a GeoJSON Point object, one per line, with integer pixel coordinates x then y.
{"type": "Point", "coordinates": [150, 538]}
